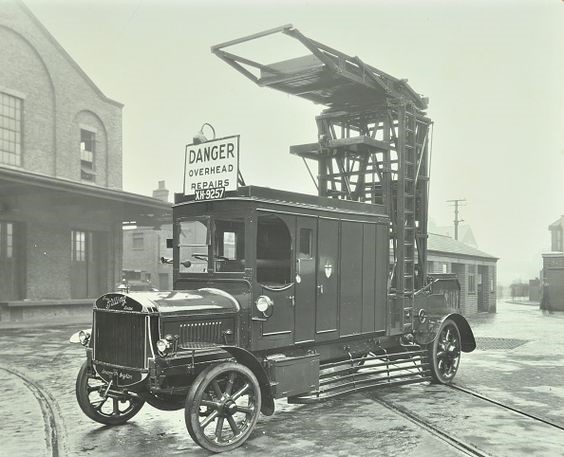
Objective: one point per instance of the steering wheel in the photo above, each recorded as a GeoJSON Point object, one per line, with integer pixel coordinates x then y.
{"type": "Point", "coordinates": [204, 257]}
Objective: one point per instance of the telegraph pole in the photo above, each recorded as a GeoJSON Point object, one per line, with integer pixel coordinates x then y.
{"type": "Point", "coordinates": [456, 220]}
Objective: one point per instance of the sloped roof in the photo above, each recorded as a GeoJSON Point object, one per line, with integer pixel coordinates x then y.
{"type": "Point", "coordinates": [66, 55]}
{"type": "Point", "coordinates": [465, 233]}
{"type": "Point", "coordinates": [557, 223]}
{"type": "Point", "coordinates": [447, 245]}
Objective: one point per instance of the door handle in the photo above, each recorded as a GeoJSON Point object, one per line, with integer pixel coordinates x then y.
{"type": "Point", "coordinates": [320, 289]}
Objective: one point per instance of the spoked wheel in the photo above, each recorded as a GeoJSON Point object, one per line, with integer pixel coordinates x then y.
{"type": "Point", "coordinates": [100, 407]}
{"type": "Point", "coordinates": [444, 353]}
{"type": "Point", "coordinates": [223, 406]}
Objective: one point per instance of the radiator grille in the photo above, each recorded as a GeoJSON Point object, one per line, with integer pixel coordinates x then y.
{"type": "Point", "coordinates": [199, 332]}
{"type": "Point", "coordinates": [119, 339]}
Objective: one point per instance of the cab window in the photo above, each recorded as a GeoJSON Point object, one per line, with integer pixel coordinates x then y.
{"type": "Point", "coordinates": [229, 245]}
{"type": "Point", "coordinates": [274, 249]}
{"type": "Point", "coordinates": [193, 242]}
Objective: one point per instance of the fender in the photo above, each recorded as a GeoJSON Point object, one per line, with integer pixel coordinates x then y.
{"type": "Point", "coordinates": [468, 343]}
{"type": "Point", "coordinates": [246, 358]}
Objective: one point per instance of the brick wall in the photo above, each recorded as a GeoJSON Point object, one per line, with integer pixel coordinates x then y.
{"type": "Point", "coordinates": [48, 226]}
{"type": "Point", "coordinates": [57, 98]}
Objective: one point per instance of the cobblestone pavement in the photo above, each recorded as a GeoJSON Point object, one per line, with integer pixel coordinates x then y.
{"type": "Point", "coordinates": [519, 361]}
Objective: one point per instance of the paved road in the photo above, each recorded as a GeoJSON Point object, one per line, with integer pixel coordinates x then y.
{"type": "Point", "coordinates": [519, 361]}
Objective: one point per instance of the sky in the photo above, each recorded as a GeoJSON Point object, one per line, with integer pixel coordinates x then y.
{"type": "Point", "coordinates": [493, 72]}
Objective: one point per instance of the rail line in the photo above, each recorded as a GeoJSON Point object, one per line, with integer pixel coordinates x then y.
{"type": "Point", "coordinates": [52, 433]}
{"type": "Point", "coordinates": [457, 443]}
{"type": "Point", "coordinates": [510, 408]}
{"type": "Point", "coordinates": [462, 446]}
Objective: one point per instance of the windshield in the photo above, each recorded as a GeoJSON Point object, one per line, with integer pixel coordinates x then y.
{"type": "Point", "coordinates": [226, 245]}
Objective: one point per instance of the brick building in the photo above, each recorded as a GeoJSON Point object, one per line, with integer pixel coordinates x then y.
{"type": "Point", "coordinates": [144, 246]}
{"type": "Point", "coordinates": [61, 198]}
{"type": "Point", "coordinates": [476, 271]}
{"type": "Point", "coordinates": [553, 265]}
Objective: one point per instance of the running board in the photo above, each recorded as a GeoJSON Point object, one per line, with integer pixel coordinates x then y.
{"type": "Point", "coordinates": [369, 372]}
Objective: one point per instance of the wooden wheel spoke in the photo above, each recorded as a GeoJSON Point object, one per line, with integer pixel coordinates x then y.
{"type": "Point", "coordinates": [233, 424]}
{"type": "Point", "coordinates": [100, 404]}
{"type": "Point", "coordinates": [208, 420]}
{"type": "Point", "coordinates": [230, 382]}
{"type": "Point", "coordinates": [116, 407]}
{"type": "Point", "coordinates": [245, 409]}
{"type": "Point", "coordinates": [219, 428]}
{"type": "Point", "coordinates": [241, 391]}
{"type": "Point", "coordinates": [211, 404]}
{"type": "Point", "coordinates": [216, 388]}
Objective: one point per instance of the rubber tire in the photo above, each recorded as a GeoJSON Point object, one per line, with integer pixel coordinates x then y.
{"type": "Point", "coordinates": [191, 415]}
{"type": "Point", "coordinates": [436, 376]}
{"type": "Point", "coordinates": [81, 390]}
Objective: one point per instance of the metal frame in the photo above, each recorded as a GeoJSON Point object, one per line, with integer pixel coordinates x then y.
{"type": "Point", "coordinates": [373, 146]}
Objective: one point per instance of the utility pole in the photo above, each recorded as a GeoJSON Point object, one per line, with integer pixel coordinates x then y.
{"type": "Point", "coordinates": [456, 220]}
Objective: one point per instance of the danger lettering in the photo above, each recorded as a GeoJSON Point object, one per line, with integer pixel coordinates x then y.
{"type": "Point", "coordinates": [211, 153]}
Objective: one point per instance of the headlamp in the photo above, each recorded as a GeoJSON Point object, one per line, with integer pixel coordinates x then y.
{"type": "Point", "coordinates": [265, 304]}
{"type": "Point", "coordinates": [163, 346]}
{"type": "Point", "coordinates": [84, 337]}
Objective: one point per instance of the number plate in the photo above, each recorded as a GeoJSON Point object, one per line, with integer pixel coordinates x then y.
{"type": "Point", "coordinates": [209, 194]}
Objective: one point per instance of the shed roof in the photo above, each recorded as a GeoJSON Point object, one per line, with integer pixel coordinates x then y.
{"type": "Point", "coordinates": [447, 245]}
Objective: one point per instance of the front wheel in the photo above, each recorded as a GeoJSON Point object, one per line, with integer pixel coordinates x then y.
{"type": "Point", "coordinates": [222, 406]}
{"type": "Point", "coordinates": [96, 402]}
{"type": "Point", "coordinates": [444, 353]}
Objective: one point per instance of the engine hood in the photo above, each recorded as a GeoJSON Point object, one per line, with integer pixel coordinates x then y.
{"type": "Point", "coordinates": [199, 301]}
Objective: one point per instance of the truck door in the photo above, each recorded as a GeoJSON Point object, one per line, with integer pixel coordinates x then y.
{"type": "Point", "coordinates": [275, 280]}
{"type": "Point", "coordinates": [305, 289]}
{"type": "Point", "coordinates": [327, 279]}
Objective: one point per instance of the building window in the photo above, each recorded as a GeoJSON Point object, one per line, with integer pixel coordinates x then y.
{"type": "Point", "coordinates": [138, 241]}
{"type": "Point", "coordinates": [445, 268]}
{"type": "Point", "coordinates": [87, 154]}
{"type": "Point", "coordinates": [78, 246]}
{"type": "Point", "coordinates": [472, 279]}
{"type": "Point", "coordinates": [9, 240]}
{"type": "Point", "coordinates": [10, 130]}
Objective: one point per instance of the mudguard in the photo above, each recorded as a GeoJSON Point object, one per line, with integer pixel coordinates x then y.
{"type": "Point", "coordinates": [246, 358]}
{"type": "Point", "coordinates": [468, 343]}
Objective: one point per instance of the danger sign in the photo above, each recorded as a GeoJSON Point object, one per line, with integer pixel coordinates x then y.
{"type": "Point", "coordinates": [211, 168]}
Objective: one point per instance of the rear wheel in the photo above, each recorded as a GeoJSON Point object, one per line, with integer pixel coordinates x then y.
{"type": "Point", "coordinates": [95, 401]}
{"type": "Point", "coordinates": [444, 353]}
{"type": "Point", "coordinates": [223, 406]}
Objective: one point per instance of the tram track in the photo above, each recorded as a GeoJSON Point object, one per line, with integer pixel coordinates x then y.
{"type": "Point", "coordinates": [504, 406]}
{"type": "Point", "coordinates": [454, 442]}
{"type": "Point", "coordinates": [461, 445]}
{"type": "Point", "coordinates": [53, 432]}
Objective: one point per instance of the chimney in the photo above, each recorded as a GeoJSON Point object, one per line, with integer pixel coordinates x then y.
{"type": "Point", "coordinates": [162, 192]}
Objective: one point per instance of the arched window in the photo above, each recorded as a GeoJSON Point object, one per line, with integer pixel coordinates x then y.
{"type": "Point", "coordinates": [274, 251]}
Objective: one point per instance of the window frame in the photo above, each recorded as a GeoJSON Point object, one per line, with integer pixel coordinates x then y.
{"type": "Point", "coordinates": [88, 167]}
{"type": "Point", "coordinates": [7, 131]}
